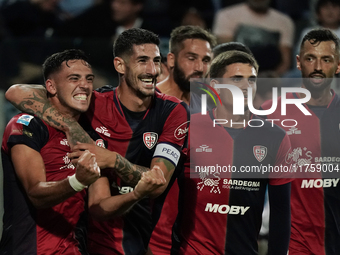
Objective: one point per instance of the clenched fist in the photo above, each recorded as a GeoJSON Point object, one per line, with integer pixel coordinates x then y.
{"type": "Point", "coordinates": [87, 170]}
{"type": "Point", "coordinates": [150, 181]}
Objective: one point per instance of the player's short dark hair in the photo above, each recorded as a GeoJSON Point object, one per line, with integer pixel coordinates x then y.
{"type": "Point", "coordinates": [316, 36]}
{"type": "Point", "coordinates": [220, 63]}
{"type": "Point", "coordinates": [180, 34]}
{"type": "Point", "coordinates": [321, 3]}
{"type": "Point", "coordinates": [223, 47]}
{"type": "Point", "coordinates": [134, 36]}
{"type": "Point", "coordinates": [53, 63]}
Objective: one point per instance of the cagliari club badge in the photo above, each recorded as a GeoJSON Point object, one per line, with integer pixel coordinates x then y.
{"type": "Point", "coordinates": [260, 152]}
{"type": "Point", "coordinates": [150, 139]}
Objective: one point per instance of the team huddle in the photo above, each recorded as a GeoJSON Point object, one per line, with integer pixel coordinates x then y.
{"type": "Point", "coordinates": [114, 170]}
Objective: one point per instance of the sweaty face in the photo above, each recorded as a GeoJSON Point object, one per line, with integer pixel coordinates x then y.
{"type": "Point", "coordinates": [73, 85]}
{"type": "Point", "coordinates": [193, 61]}
{"type": "Point", "coordinates": [142, 69]}
{"type": "Point", "coordinates": [242, 76]}
{"type": "Point", "coordinates": [318, 64]}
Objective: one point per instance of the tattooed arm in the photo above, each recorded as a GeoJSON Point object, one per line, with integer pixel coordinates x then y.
{"type": "Point", "coordinates": [33, 99]}
{"type": "Point", "coordinates": [128, 172]}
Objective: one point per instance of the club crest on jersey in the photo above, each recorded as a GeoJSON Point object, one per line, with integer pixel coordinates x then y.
{"type": "Point", "coordinates": [181, 131]}
{"type": "Point", "coordinates": [260, 152]}
{"type": "Point", "coordinates": [150, 139]}
{"type": "Point", "coordinates": [100, 143]}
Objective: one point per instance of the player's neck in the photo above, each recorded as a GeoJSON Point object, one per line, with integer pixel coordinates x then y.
{"type": "Point", "coordinates": [65, 111]}
{"type": "Point", "coordinates": [233, 121]}
{"type": "Point", "coordinates": [320, 98]}
{"type": "Point", "coordinates": [171, 88]}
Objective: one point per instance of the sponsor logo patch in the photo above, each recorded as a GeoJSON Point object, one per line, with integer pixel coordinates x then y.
{"type": "Point", "coordinates": [260, 152]}
{"type": "Point", "coordinates": [103, 130]}
{"type": "Point", "coordinates": [181, 131]}
{"type": "Point", "coordinates": [25, 119]}
{"type": "Point", "coordinates": [150, 139]}
{"type": "Point", "coordinates": [64, 142]}
{"type": "Point", "coordinates": [204, 148]}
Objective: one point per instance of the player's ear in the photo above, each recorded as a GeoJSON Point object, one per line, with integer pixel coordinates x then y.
{"type": "Point", "coordinates": [213, 82]}
{"type": "Point", "coordinates": [171, 60]}
{"type": "Point", "coordinates": [298, 63]}
{"type": "Point", "coordinates": [119, 64]}
{"type": "Point", "coordinates": [338, 68]}
{"type": "Point", "coordinates": [50, 87]}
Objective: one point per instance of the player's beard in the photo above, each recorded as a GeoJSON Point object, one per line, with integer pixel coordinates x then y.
{"type": "Point", "coordinates": [182, 81]}
{"type": "Point", "coordinates": [131, 79]}
{"type": "Point", "coordinates": [313, 87]}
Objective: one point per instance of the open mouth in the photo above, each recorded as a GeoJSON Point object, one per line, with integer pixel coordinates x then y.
{"type": "Point", "coordinates": [149, 82]}
{"type": "Point", "coordinates": [317, 78]}
{"type": "Point", "coordinates": [80, 97]}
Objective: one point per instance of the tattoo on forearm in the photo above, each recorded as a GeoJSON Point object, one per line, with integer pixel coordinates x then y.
{"type": "Point", "coordinates": [130, 173]}
{"type": "Point", "coordinates": [169, 166]}
{"type": "Point", "coordinates": [39, 105]}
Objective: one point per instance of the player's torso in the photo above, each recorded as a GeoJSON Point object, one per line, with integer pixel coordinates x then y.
{"type": "Point", "coordinates": [315, 193]}
{"type": "Point", "coordinates": [214, 189]}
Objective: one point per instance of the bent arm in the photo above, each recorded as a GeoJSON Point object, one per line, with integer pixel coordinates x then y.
{"type": "Point", "coordinates": [103, 206]}
{"type": "Point", "coordinates": [33, 99]}
{"type": "Point", "coordinates": [279, 221]}
{"type": "Point", "coordinates": [30, 169]}
{"type": "Point", "coordinates": [130, 173]}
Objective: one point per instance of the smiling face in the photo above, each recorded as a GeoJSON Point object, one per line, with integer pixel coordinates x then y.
{"type": "Point", "coordinates": [142, 69]}
{"type": "Point", "coordinates": [71, 87]}
{"type": "Point", "coordinates": [318, 64]}
{"type": "Point", "coordinates": [241, 75]}
{"type": "Point", "coordinates": [192, 61]}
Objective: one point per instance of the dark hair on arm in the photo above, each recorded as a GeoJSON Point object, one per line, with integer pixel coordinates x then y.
{"type": "Point", "coordinates": [53, 63]}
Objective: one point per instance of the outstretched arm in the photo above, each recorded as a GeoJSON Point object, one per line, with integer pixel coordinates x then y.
{"type": "Point", "coordinates": [33, 99]}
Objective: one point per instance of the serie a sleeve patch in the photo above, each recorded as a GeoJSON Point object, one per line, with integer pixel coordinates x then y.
{"type": "Point", "coordinates": [167, 151]}
{"type": "Point", "coordinates": [25, 119]}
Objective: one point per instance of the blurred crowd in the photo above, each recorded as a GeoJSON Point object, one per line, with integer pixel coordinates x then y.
{"type": "Point", "coordinates": [30, 30]}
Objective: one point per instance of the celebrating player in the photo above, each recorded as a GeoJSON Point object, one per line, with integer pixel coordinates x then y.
{"type": "Point", "coordinates": [315, 142]}
{"type": "Point", "coordinates": [145, 130]}
{"type": "Point", "coordinates": [43, 191]}
{"type": "Point", "coordinates": [221, 213]}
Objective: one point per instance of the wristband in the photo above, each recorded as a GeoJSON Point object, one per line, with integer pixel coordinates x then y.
{"type": "Point", "coordinates": [75, 184]}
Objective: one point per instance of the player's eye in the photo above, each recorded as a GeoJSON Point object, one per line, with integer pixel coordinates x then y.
{"type": "Point", "coordinates": [236, 79]}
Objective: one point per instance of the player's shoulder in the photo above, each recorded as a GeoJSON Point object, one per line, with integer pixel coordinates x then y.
{"type": "Point", "coordinates": [268, 126]}
{"type": "Point", "coordinates": [26, 120]}
{"type": "Point", "coordinates": [105, 91]}
{"type": "Point", "coordinates": [170, 101]}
